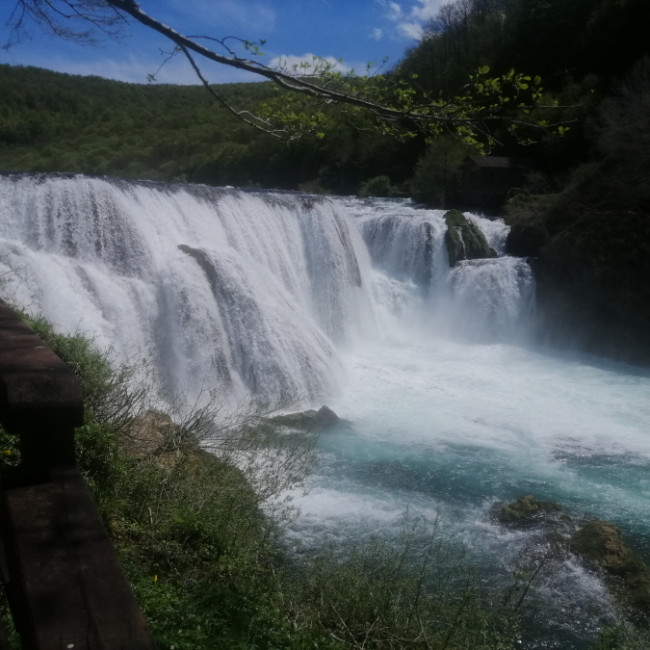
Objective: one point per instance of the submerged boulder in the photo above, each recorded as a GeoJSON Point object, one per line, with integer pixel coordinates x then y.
{"type": "Point", "coordinates": [307, 420]}
{"type": "Point", "coordinates": [601, 542]}
{"type": "Point", "coordinates": [526, 510]}
{"type": "Point", "coordinates": [597, 543]}
{"type": "Point", "coordinates": [464, 240]}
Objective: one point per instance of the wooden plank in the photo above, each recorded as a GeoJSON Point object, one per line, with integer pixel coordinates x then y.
{"type": "Point", "coordinates": [40, 398]}
{"type": "Point", "coordinates": [64, 572]}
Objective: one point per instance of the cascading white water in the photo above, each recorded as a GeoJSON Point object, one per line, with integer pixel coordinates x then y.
{"type": "Point", "coordinates": [286, 298]}
{"type": "Point", "coordinates": [477, 300]}
{"type": "Point", "coordinates": [248, 294]}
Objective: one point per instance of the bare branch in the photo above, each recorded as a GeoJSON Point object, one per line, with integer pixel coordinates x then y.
{"type": "Point", "coordinates": [68, 19]}
{"type": "Point", "coordinates": [392, 102]}
{"type": "Point", "coordinates": [245, 116]}
{"type": "Point", "coordinates": [289, 82]}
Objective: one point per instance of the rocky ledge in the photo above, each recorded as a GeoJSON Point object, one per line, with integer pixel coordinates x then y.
{"type": "Point", "coordinates": [598, 544]}
{"type": "Point", "coordinates": [310, 420]}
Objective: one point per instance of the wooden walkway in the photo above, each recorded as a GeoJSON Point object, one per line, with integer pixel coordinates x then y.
{"type": "Point", "coordinates": [65, 586]}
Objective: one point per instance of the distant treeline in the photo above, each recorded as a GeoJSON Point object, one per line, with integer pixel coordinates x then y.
{"type": "Point", "coordinates": [58, 122]}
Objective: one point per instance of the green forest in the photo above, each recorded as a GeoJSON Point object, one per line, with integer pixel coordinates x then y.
{"type": "Point", "coordinates": [56, 122]}
{"type": "Point", "coordinates": [583, 51]}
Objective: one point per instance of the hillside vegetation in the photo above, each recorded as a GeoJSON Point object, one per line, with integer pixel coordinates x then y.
{"type": "Point", "coordinates": [57, 122]}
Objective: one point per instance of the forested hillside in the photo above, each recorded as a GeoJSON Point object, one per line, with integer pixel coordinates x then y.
{"type": "Point", "coordinates": [581, 50]}
{"type": "Point", "coordinates": [56, 122]}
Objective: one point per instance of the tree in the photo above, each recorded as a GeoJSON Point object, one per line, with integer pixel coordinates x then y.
{"type": "Point", "coordinates": [438, 172]}
{"type": "Point", "coordinates": [397, 108]}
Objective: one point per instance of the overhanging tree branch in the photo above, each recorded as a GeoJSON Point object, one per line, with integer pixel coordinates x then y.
{"type": "Point", "coordinates": [284, 80]}
{"type": "Point", "coordinates": [394, 103]}
{"type": "Point", "coordinates": [246, 116]}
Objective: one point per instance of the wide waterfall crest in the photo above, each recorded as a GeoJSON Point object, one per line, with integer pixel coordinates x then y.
{"type": "Point", "coordinates": [251, 294]}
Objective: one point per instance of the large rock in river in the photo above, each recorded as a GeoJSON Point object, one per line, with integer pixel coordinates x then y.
{"type": "Point", "coordinates": [601, 542]}
{"type": "Point", "coordinates": [464, 240]}
{"type": "Point", "coordinates": [307, 420]}
{"type": "Point", "coordinates": [526, 510]}
{"type": "Point", "coordinates": [598, 543]}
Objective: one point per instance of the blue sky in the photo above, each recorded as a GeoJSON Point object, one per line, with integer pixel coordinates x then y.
{"type": "Point", "coordinates": [359, 31]}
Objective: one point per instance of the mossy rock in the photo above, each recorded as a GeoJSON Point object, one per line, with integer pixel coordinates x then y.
{"type": "Point", "coordinates": [464, 240]}
{"type": "Point", "coordinates": [307, 420]}
{"type": "Point", "coordinates": [601, 542]}
{"type": "Point", "coordinates": [526, 510]}
{"type": "Point", "coordinates": [148, 433]}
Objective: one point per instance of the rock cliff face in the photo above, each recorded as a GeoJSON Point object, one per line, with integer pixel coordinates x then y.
{"type": "Point", "coordinates": [590, 250]}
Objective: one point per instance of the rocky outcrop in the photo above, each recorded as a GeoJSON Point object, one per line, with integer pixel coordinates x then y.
{"type": "Point", "coordinates": [526, 510]}
{"type": "Point", "coordinates": [464, 240]}
{"type": "Point", "coordinates": [591, 245]}
{"type": "Point", "coordinates": [592, 285]}
{"type": "Point", "coordinates": [596, 543]}
{"type": "Point", "coordinates": [149, 433]}
{"type": "Point", "coordinates": [601, 543]}
{"type": "Point", "coordinates": [526, 238]}
{"type": "Point", "coordinates": [307, 420]}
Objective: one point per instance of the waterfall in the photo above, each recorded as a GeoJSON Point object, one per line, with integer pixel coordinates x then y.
{"type": "Point", "coordinates": [251, 294]}
{"type": "Point", "coordinates": [246, 293]}
{"type": "Point", "coordinates": [296, 300]}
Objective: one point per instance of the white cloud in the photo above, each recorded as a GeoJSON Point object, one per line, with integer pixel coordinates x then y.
{"type": "Point", "coordinates": [410, 19]}
{"type": "Point", "coordinates": [308, 63]}
{"type": "Point", "coordinates": [411, 30]}
{"type": "Point", "coordinates": [427, 10]}
{"type": "Point", "coordinates": [377, 34]}
{"type": "Point", "coordinates": [394, 11]}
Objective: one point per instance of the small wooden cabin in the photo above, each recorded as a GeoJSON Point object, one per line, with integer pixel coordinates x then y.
{"type": "Point", "coordinates": [487, 180]}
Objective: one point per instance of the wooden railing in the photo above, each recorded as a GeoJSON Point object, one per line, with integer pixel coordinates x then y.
{"type": "Point", "coordinates": [65, 586]}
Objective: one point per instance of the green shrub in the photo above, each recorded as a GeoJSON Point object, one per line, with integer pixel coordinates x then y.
{"type": "Point", "coordinates": [109, 396]}
{"type": "Point", "coordinates": [378, 186]}
{"type": "Point", "coordinates": [413, 592]}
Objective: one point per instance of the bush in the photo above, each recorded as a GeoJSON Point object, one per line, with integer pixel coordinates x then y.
{"type": "Point", "coordinates": [410, 592]}
{"type": "Point", "coordinates": [378, 186]}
